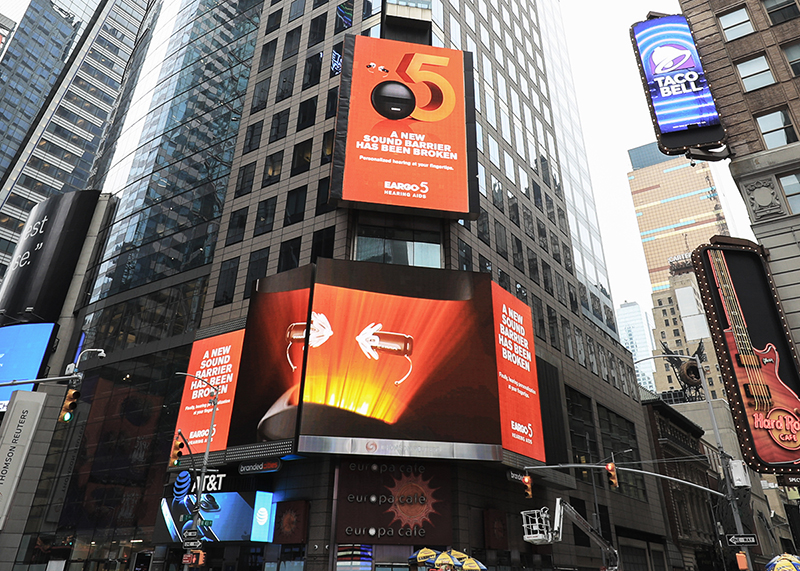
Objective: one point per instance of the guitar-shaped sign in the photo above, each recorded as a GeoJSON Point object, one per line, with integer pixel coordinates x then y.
{"type": "Point", "coordinates": [771, 407]}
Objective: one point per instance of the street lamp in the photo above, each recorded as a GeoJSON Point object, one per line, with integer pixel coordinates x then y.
{"type": "Point", "coordinates": [213, 402]}
{"type": "Point", "coordinates": [725, 458]}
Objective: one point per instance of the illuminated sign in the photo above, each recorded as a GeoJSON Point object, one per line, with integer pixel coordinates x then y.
{"type": "Point", "coordinates": [377, 365]}
{"type": "Point", "coordinates": [215, 360]}
{"type": "Point", "coordinates": [758, 360]}
{"type": "Point", "coordinates": [681, 104]}
{"type": "Point", "coordinates": [405, 129]}
{"type": "Point", "coordinates": [23, 349]}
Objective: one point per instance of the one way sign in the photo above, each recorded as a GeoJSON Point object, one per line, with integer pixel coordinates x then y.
{"type": "Point", "coordinates": [742, 540]}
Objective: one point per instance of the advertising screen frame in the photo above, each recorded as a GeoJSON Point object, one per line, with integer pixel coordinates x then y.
{"type": "Point", "coordinates": [33, 368]}
{"type": "Point", "coordinates": [347, 116]}
{"type": "Point", "coordinates": [673, 33]}
{"type": "Point", "coordinates": [759, 363]}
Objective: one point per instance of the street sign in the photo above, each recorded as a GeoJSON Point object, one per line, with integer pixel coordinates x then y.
{"type": "Point", "coordinates": [742, 540]}
{"type": "Point", "coordinates": [189, 558]}
{"type": "Point", "coordinates": [189, 534]}
{"type": "Point", "coordinates": [186, 517]}
{"type": "Point", "coordinates": [192, 543]}
{"type": "Point", "coordinates": [206, 522]}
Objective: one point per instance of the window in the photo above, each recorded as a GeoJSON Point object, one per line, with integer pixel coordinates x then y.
{"type": "Point", "coordinates": [280, 123]}
{"type": "Point", "coordinates": [292, 44]}
{"type": "Point", "coordinates": [755, 73]}
{"type": "Point", "coordinates": [537, 196]}
{"type": "Point", "coordinates": [533, 265]}
{"type": "Point", "coordinates": [539, 325]}
{"type": "Point", "coordinates": [301, 157]}
{"type": "Point", "coordinates": [252, 137]}
{"type": "Point", "coordinates": [322, 243]}
{"type": "Point", "coordinates": [316, 31]}
{"type": "Point", "coordinates": [332, 104]}
{"type": "Point", "coordinates": [504, 280]}
{"type": "Point", "coordinates": [227, 282]}
{"type": "Point", "coordinates": [792, 54]}
{"type": "Point", "coordinates": [336, 59]}
{"type": "Point", "coordinates": [547, 278]}
{"type": "Point", "coordinates": [552, 325]}
{"type": "Point", "coordinates": [567, 330]}
{"type": "Point", "coordinates": [256, 269]}
{"type": "Point", "coordinates": [344, 16]}
{"type": "Point", "coordinates": [777, 129]}
{"type": "Point", "coordinates": [554, 245]}
{"type": "Point", "coordinates": [295, 206]}
{"type": "Point", "coordinates": [318, 3]}
{"type": "Point", "coordinates": [513, 209]}
{"type": "Point", "coordinates": [484, 265]}
{"type": "Point", "coordinates": [244, 180]}
{"type": "Point", "coordinates": [403, 246]}
{"type": "Point", "coordinates": [464, 256]}
{"type": "Point", "coordinates": [781, 10]}
{"type": "Point", "coordinates": [272, 169]}
{"type": "Point", "coordinates": [327, 147]}
{"type": "Point", "coordinates": [267, 55]}
{"type": "Point", "coordinates": [274, 21]}
{"type": "Point", "coordinates": [236, 226]}
{"type": "Point", "coordinates": [516, 253]}
{"type": "Point", "coordinates": [542, 234]}
{"type": "Point", "coordinates": [500, 239]}
{"type": "Point", "coordinates": [260, 95]}
{"type": "Point", "coordinates": [497, 194]}
{"type": "Point", "coordinates": [312, 71]}
{"type": "Point", "coordinates": [522, 293]}
{"type": "Point", "coordinates": [289, 257]}
{"type": "Point", "coordinates": [307, 113]}
{"type": "Point", "coordinates": [296, 9]}
{"type": "Point", "coordinates": [483, 227]}
{"type": "Point", "coordinates": [527, 223]}
{"type": "Point", "coordinates": [265, 216]}
{"type": "Point", "coordinates": [791, 188]}
{"type": "Point", "coordinates": [735, 24]}
{"type": "Point", "coordinates": [285, 83]}
{"type": "Point", "coordinates": [322, 197]}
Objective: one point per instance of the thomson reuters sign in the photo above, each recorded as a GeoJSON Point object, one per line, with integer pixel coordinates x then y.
{"type": "Point", "coordinates": [406, 127]}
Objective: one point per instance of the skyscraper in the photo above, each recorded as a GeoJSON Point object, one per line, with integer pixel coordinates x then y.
{"type": "Point", "coordinates": [219, 157]}
{"type": "Point", "coordinates": [636, 333]}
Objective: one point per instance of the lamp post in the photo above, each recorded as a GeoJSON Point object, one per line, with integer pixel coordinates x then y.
{"type": "Point", "coordinates": [213, 402]}
{"type": "Point", "coordinates": [725, 458]}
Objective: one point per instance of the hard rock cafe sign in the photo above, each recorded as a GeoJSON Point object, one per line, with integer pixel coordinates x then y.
{"type": "Point", "coordinates": [781, 424]}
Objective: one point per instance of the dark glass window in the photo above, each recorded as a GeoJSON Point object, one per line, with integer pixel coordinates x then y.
{"type": "Point", "coordinates": [312, 71]}
{"type": "Point", "coordinates": [272, 169]}
{"type": "Point", "coordinates": [504, 280]}
{"type": "Point", "coordinates": [792, 53]}
{"type": "Point", "coordinates": [295, 206]}
{"type": "Point", "coordinates": [555, 249]}
{"type": "Point", "coordinates": [517, 253]}
{"type": "Point", "coordinates": [227, 282]}
{"type": "Point", "coordinates": [513, 209]}
{"type": "Point", "coordinates": [501, 244]}
{"type": "Point", "coordinates": [260, 96]}
{"type": "Point", "coordinates": [336, 59]}
{"type": "Point", "coordinates": [542, 234]}
{"type": "Point", "coordinates": [344, 16]}
{"type": "Point", "coordinates": [267, 55]}
{"type": "Point", "coordinates": [316, 32]}
{"type": "Point", "coordinates": [484, 265]}
{"type": "Point", "coordinates": [289, 257]}
{"type": "Point", "coordinates": [292, 44]}
{"type": "Point", "coordinates": [327, 147]}
{"type": "Point", "coordinates": [322, 243]}
{"type": "Point", "coordinates": [307, 113]}
{"type": "Point", "coordinates": [552, 325]}
{"type": "Point", "coordinates": [464, 256]}
{"type": "Point", "coordinates": [402, 246]}
{"type": "Point", "coordinates": [497, 194]}
{"type": "Point", "coordinates": [533, 265]}
{"type": "Point", "coordinates": [252, 137]}
{"type": "Point", "coordinates": [522, 293]}
{"type": "Point", "coordinates": [483, 227]}
{"type": "Point", "coordinates": [781, 10]}
{"type": "Point", "coordinates": [318, 3]}
{"type": "Point", "coordinates": [301, 157]}
{"type": "Point", "coordinates": [265, 216]}
{"type": "Point", "coordinates": [296, 9]}
{"type": "Point", "coordinates": [236, 227]}
{"type": "Point", "coordinates": [567, 257]}
{"type": "Point", "coordinates": [332, 105]}
{"type": "Point", "coordinates": [244, 181]}
{"type": "Point", "coordinates": [257, 269]}
{"type": "Point", "coordinates": [547, 278]}
{"type": "Point", "coordinates": [550, 208]}
{"type": "Point", "coordinates": [323, 205]}
{"type": "Point", "coordinates": [274, 21]}
{"type": "Point", "coordinates": [537, 196]}
{"type": "Point", "coordinates": [279, 126]}
{"type": "Point", "coordinates": [527, 222]}
{"type": "Point", "coordinates": [285, 83]}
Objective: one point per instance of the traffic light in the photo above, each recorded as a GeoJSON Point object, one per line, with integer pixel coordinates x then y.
{"type": "Point", "coordinates": [68, 408]}
{"type": "Point", "coordinates": [177, 452]}
{"type": "Point", "coordinates": [612, 475]}
{"type": "Point", "coordinates": [526, 481]}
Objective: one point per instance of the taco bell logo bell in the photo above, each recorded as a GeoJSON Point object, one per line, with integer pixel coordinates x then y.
{"type": "Point", "coordinates": [670, 57]}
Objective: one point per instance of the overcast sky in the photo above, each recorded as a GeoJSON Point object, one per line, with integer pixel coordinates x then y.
{"type": "Point", "coordinates": [615, 118]}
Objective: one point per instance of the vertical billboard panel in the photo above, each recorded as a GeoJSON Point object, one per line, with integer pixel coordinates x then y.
{"type": "Point", "coordinates": [758, 360]}
{"type": "Point", "coordinates": [23, 352]}
{"type": "Point", "coordinates": [681, 104]}
{"type": "Point", "coordinates": [405, 128]}
{"type": "Point", "coordinates": [215, 360]}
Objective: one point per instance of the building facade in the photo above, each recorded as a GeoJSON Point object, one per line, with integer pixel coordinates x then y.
{"type": "Point", "coordinates": [635, 332]}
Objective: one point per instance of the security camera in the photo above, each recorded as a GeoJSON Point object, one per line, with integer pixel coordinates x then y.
{"type": "Point", "coordinates": [101, 354]}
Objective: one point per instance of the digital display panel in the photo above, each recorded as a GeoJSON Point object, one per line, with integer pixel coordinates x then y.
{"type": "Point", "coordinates": [23, 349]}
{"type": "Point", "coordinates": [758, 361]}
{"type": "Point", "coordinates": [215, 360]}
{"type": "Point", "coordinates": [405, 128]}
{"type": "Point", "coordinates": [377, 366]}
{"type": "Point", "coordinates": [679, 96]}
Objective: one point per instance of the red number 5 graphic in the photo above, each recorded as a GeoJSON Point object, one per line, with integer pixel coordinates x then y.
{"type": "Point", "coordinates": [443, 96]}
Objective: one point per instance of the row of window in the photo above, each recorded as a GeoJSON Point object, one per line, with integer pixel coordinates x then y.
{"type": "Point", "coordinates": [288, 258]}
{"type": "Point", "coordinates": [737, 23]}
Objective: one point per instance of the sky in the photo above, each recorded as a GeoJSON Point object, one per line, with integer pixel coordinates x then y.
{"type": "Point", "coordinates": [615, 118]}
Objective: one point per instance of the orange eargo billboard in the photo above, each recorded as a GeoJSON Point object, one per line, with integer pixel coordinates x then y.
{"type": "Point", "coordinates": [405, 132]}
